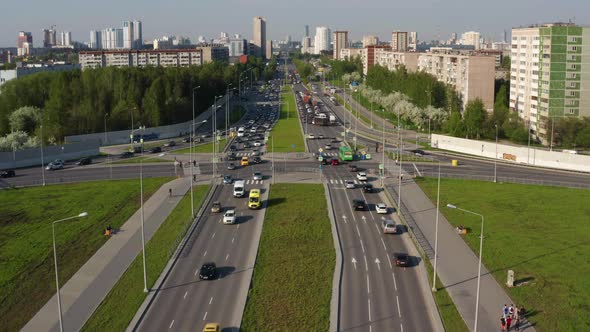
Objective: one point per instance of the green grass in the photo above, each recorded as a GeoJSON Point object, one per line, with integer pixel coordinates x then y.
{"type": "Point", "coordinates": [287, 131]}
{"type": "Point", "coordinates": [292, 283]}
{"type": "Point", "coordinates": [539, 232]}
{"type": "Point", "coordinates": [145, 159]}
{"type": "Point", "coordinates": [203, 148]}
{"type": "Point", "coordinates": [123, 301]}
{"type": "Point", "coordinates": [27, 275]}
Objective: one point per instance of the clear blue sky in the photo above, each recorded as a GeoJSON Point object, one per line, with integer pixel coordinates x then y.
{"type": "Point", "coordinates": [430, 18]}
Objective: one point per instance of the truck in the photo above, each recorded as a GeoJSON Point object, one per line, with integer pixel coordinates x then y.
{"type": "Point", "coordinates": [321, 121]}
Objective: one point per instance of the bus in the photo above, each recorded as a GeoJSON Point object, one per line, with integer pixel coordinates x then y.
{"type": "Point", "coordinates": [254, 199]}
{"type": "Point", "coordinates": [345, 153]}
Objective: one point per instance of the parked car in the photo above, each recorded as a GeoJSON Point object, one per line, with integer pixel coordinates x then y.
{"type": "Point", "coordinates": [127, 154]}
{"type": "Point", "coordinates": [7, 173]}
{"type": "Point", "coordinates": [84, 161]}
{"type": "Point", "coordinates": [359, 204]}
{"type": "Point", "coordinates": [216, 207]}
{"type": "Point", "coordinates": [208, 271]}
{"type": "Point", "coordinates": [156, 149]}
{"type": "Point", "coordinates": [401, 259]}
{"type": "Point", "coordinates": [229, 217]}
{"type": "Point", "coordinates": [381, 208]}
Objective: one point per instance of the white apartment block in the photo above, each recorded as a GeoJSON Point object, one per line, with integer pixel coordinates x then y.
{"type": "Point", "coordinates": [321, 40]}
{"type": "Point", "coordinates": [370, 40]}
{"type": "Point", "coordinates": [471, 38]}
{"type": "Point", "coordinates": [399, 41]}
{"type": "Point", "coordinates": [349, 53]}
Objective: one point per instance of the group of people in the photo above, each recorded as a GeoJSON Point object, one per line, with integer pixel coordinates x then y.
{"type": "Point", "coordinates": [511, 317]}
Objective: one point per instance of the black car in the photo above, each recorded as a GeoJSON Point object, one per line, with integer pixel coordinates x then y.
{"type": "Point", "coordinates": [256, 160]}
{"type": "Point", "coordinates": [231, 156]}
{"type": "Point", "coordinates": [137, 149]}
{"type": "Point", "coordinates": [368, 188]}
{"type": "Point", "coordinates": [232, 148]}
{"type": "Point", "coordinates": [186, 139]}
{"type": "Point", "coordinates": [84, 161]}
{"type": "Point", "coordinates": [127, 154]}
{"type": "Point", "coordinates": [352, 168]}
{"type": "Point", "coordinates": [359, 204]}
{"type": "Point", "coordinates": [231, 166]}
{"type": "Point", "coordinates": [401, 259]}
{"type": "Point", "coordinates": [171, 143]}
{"type": "Point", "coordinates": [208, 271]}
{"type": "Point", "coordinates": [7, 173]}
{"type": "Point", "coordinates": [156, 149]}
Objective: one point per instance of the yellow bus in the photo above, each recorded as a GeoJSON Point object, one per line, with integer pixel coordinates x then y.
{"type": "Point", "coordinates": [254, 199]}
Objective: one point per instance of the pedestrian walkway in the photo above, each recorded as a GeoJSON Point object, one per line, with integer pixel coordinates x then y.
{"type": "Point", "coordinates": [457, 263]}
{"type": "Point", "coordinates": [84, 292]}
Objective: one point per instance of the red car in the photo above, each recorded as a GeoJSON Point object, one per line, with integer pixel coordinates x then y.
{"type": "Point", "coordinates": [335, 162]}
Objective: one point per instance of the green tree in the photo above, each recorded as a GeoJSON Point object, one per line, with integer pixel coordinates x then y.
{"type": "Point", "coordinates": [474, 118]}
{"type": "Point", "coordinates": [454, 125]}
{"type": "Point", "coordinates": [25, 119]}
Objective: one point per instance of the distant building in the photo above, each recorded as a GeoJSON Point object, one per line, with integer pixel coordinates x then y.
{"type": "Point", "coordinates": [340, 42]}
{"type": "Point", "coordinates": [130, 36]}
{"type": "Point", "coordinates": [370, 40]}
{"type": "Point", "coordinates": [24, 43]}
{"type": "Point", "coordinates": [95, 40]}
{"type": "Point", "coordinates": [306, 31]}
{"type": "Point", "coordinates": [413, 40]}
{"type": "Point", "coordinates": [259, 37]}
{"type": "Point", "coordinates": [471, 38]}
{"type": "Point", "coordinates": [306, 45]}
{"type": "Point", "coordinates": [350, 53]}
{"type": "Point", "coordinates": [268, 49]}
{"type": "Point", "coordinates": [65, 38]}
{"type": "Point", "coordinates": [321, 40]}
{"type": "Point", "coordinates": [20, 70]}
{"type": "Point", "coordinates": [399, 41]}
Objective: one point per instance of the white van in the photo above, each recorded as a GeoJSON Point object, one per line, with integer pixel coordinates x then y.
{"type": "Point", "coordinates": [239, 188]}
{"type": "Point", "coordinates": [241, 132]}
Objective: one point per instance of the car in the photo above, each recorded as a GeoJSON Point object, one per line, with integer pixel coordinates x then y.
{"type": "Point", "coordinates": [227, 179]}
{"type": "Point", "coordinates": [381, 208]}
{"type": "Point", "coordinates": [137, 149]}
{"type": "Point", "coordinates": [310, 136]}
{"type": "Point", "coordinates": [328, 146]}
{"type": "Point", "coordinates": [256, 160]}
{"type": "Point", "coordinates": [247, 145]}
{"type": "Point", "coordinates": [7, 173]}
{"type": "Point", "coordinates": [257, 144]}
{"type": "Point", "coordinates": [84, 161]}
{"type": "Point", "coordinates": [229, 217]}
{"type": "Point", "coordinates": [208, 271]}
{"type": "Point", "coordinates": [335, 162]}
{"type": "Point", "coordinates": [232, 148]}
{"type": "Point", "coordinates": [255, 153]}
{"type": "Point", "coordinates": [231, 166]}
{"type": "Point", "coordinates": [361, 176]}
{"type": "Point", "coordinates": [245, 161]}
{"type": "Point", "coordinates": [359, 204]}
{"type": "Point", "coordinates": [352, 168]}
{"type": "Point", "coordinates": [127, 154]}
{"type": "Point", "coordinates": [349, 184]}
{"type": "Point", "coordinates": [388, 226]}
{"type": "Point", "coordinates": [401, 259]}
{"type": "Point", "coordinates": [320, 136]}
{"type": "Point", "coordinates": [216, 207]}
{"type": "Point", "coordinates": [156, 149]}
{"type": "Point", "coordinates": [56, 164]}
{"type": "Point", "coordinates": [418, 152]}
{"type": "Point", "coordinates": [257, 175]}
{"type": "Point", "coordinates": [186, 139]}
{"type": "Point", "coordinates": [231, 156]}
{"type": "Point", "coordinates": [211, 327]}
{"type": "Point", "coordinates": [368, 188]}
{"type": "Point", "coordinates": [170, 144]}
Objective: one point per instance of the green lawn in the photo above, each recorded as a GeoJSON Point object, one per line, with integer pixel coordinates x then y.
{"type": "Point", "coordinates": [203, 148]}
{"type": "Point", "coordinates": [123, 301]}
{"type": "Point", "coordinates": [292, 282]}
{"type": "Point", "coordinates": [539, 232]}
{"type": "Point", "coordinates": [27, 275]}
{"type": "Point", "coordinates": [287, 131]}
{"type": "Point", "coordinates": [145, 159]}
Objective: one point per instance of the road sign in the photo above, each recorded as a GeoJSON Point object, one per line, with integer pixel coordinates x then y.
{"type": "Point", "coordinates": [320, 158]}
{"type": "Point", "coordinates": [321, 150]}
{"type": "Point", "coordinates": [380, 166]}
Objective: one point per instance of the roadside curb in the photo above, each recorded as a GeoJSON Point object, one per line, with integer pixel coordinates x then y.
{"type": "Point", "coordinates": [338, 269]}
{"type": "Point", "coordinates": [136, 321]}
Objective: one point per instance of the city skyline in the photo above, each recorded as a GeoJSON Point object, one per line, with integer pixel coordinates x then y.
{"type": "Point", "coordinates": [432, 20]}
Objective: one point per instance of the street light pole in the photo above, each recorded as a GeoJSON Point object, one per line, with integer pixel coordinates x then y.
{"type": "Point", "coordinates": [551, 143]}
{"type": "Point", "coordinates": [383, 146]}
{"type": "Point", "coordinates": [436, 231]}
{"type": "Point", "coordinates": [399, 192]}
{"type": "Point", "coordinates": [61, 325]}
{"type": "Point", "coordinates": [105, 128]}
{"type": "Point", "coordinates": [451, 206]}
{"type": "Point", "coordinates": [145, 289]}
{"type": "Point", "coordinates": [227, 109]}
{"type": "Point", "coordinates": [42, 158]}
{"type": "Point", "coordinates": [191, 153]}
{"type": "Point", "coordinates": [496, 156]}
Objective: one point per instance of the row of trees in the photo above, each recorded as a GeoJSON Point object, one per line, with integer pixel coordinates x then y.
{"type": "Point", "coordinates": [78, 102]}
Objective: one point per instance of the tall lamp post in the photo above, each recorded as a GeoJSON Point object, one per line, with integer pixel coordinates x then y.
{"type": "Point", "coordinates": [191, 152]}
{"type": "Point", "coordinates": [227, 109]}
{"type": "Point", "coordinates": [145, 288]}
{"type": "Point", "coordinates": [451, 206]}
{"type": "Point", "coordinates": [42, 157]}
{"type": "Point", "coordinates": [214, 132]}
{"type": "Point", "coordinates": [383, 145]}
{"type": "Point", "coordinates": [401, 147]}
{"type": "Point", "coordinates": [105, 128]}
{"type": "Point", "coordinates": [436, 231]}
{"type": "Point", "coordinates": [496, 156]}
{"type": "Point", "coordinates": [83, 214]}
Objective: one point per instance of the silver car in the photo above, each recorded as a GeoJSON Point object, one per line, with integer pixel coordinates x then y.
{"type": "Point", "coordinates": [257, 176]}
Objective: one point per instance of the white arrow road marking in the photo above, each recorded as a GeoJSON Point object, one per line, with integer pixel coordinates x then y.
{"type": "Point", "coordinates": [354, 263]}
{"type": "Point", "coordinates": [364, 219]}
{"type": "Point", "coordinates": [210, 301]}
{"type": "Point", "coordinates": [378, 262]}
{"type": "Point", "coordinates": [344, 217]}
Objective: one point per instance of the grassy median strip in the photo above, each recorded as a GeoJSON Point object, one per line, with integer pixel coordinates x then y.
{"type": "Point", "coordinates": [202, 148]}
{"type": "Point", "coordinates": [287, 131]}
{"type": "Point", "coordinates": [27, 279]}
{"type": "Point", "coordinates": [122, 302]}
{"type": "Point", "coordinates": [540, 232]}
{"type": "Point", "coordinates": [292, 282]}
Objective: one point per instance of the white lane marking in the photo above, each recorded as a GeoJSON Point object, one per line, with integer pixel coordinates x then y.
{"type": "Point", "coordinates": [362, 247]}
{"type": "Point", "coordinates": [232, 239]}
{"type": "Point", "coordinates": [368, 288]}
{"type": "Point", "coordinates": [211, 301]}
{"type": "Point", "coordinates": [389, 260]}
{"type": "Point", "coordinates": [401, 326]}
{"type": "Point", "coordinates": [369, 300]}
{"type": "Point", "coordinates": [196, 271]}
{"type": "Point", "coordinates": [383, 242]}
{"type": "Point", "coordinates": [332, 181]}
{"type": "Point", "coordinates": [376, 227]}
{"type": "Point", "coordinates": [366, 264]}
{"type": "Point", "coordinates": [205, 254]}
{"type": "Point", "coordinates": [398, 310]}
{"type": "Point", "coordinates": [205, 317]}
{"type": "Point", "coordinates": [212, 236]}
{"type": "Point", "coordinates": [226, 257]}
{"type": "Point", "coordinates": [185, 293]}
{"type": "Point", "coordinates": [394, 282]}
{"type": "Point", "coordinates": [357, 230]}
{"type": "Point", "coordinates": [172, 323]}
{"type": "Point", "coordinates": [370, 328]}
{"type": "Point", "coordinates": [238, 225]}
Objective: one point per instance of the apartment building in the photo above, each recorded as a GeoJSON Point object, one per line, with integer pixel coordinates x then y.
{"type": "Point", "coordinates": [399, 41]}
{"type": "Point", "coordinates": [392, 60]}
{"type": "Point", "coordinates": [550, 74]}
{"type": "Point", "coordinates": [349, 53]}
{"type": "Point", "coordinates": [340, 42]}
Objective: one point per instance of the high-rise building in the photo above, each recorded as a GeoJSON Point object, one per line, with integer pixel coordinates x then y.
{"type": "Point", "coordinates": [370, 40]}
{"type": "Point", "coordinates": [340, 42]}
{"type": "Point", "coordinates": [24, 37]}
{"type": "Point", "coordinates": [306, 45]}
{"type": "Point", "coordinates": [471, 38]}
{"type": "Point", "coordinates": [65, 38]}
{"type": "Point", "coordinates": [549, 75]}
{"type": "Point", "coordinates": [399, 41]}
{"type": "Point", "coordinates": [128, 34]}
{"type": "Point", "coordinates": [237, 46]}
{"type": "Point", "coordinates": [259, 37]}
{"type": "Point", "coordinates": [95, 39]}
{"type": "Point", "coordinates": [137, 35]}
{"type": "Point", "coordinates": [321, 40]}
{"type": "Point", "coordinates": [413, 40]}
{"type": "Point", "coordinates": [46, 38]}
{"type": "Point", "coordinates": [306, 31]}
{"type": "Point", "coordinates": [112, 38]}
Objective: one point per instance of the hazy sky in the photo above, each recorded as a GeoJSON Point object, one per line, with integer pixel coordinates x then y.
{"type": "Point", "coordinates": [432, 19]}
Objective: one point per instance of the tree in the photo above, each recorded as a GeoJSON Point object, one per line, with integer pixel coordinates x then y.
{"type": "Point", "coordinates": [474, 118]}
{"type": "Point", "coordinates": [454, 125]}
{"type": "Point", "coordinates": [25, 119]}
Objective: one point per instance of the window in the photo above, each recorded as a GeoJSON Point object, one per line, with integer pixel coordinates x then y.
{"type": "Point", "coordinates": [523, 38]}
{"type": "Point", "coordinates": [572, 39]}
{"type": "Point", "coordinates": [571, 75]}
{"type": "Point", "coordinates": [573, 66]}
{"type": "Point", "coordinates": [573, 48]}
{"type": "Point", "coordinates": [572, 57]}
{"type": "Point", "coordinates": [571, 110]}
{"type": "Point", "coordinates": [572, 93]}
{"type": "Point", "coordinates": [573, 85]}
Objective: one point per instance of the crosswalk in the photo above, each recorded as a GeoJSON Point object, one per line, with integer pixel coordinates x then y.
{"type": "Point", "coordinates": [254, 181]}
{"type": "Point", "coordinates": [340, 181]}
{"type": "Point", "coordinates": [330, 154]}
{"type": "Point", "coordinates": [243, 154]}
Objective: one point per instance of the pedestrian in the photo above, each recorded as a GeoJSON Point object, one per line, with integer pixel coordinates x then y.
{"type": "Point", "coordinates": [194, 163]}
{"type": "Point", "coordinates": [170, 192]}
{"type": "Point", "coordinates": [505, 311]}
{"type": "Point", "coordinates": [511, 309]}
{"type": "Point", "coordinates": [508, 322]}
{"type": "Point", "coordinates": [516, 319]}
{"type": "Point", "coordinates": [502, 323]}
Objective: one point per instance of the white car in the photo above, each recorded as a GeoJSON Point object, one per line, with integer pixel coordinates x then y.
{"type": "Point", "coordinates": [310, 136]}
{"type": "Point", "coordinates": [381, 208]}
{"type": "Point", "coordinates": [229, 217]}
{"type": "Point", "coordinates": [57, 164]}
{"type": "Point", "coordinates": [257, 176]}
{"type": "Point", "coordinates": [361, 176]}
{"type": "Point", "coordinates": [349, 184]}
{"type": "Point", "coordinates": [257, 143]}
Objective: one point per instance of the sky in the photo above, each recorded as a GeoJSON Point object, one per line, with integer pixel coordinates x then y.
{"type": "Point", "coordinates": [432, 19]}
